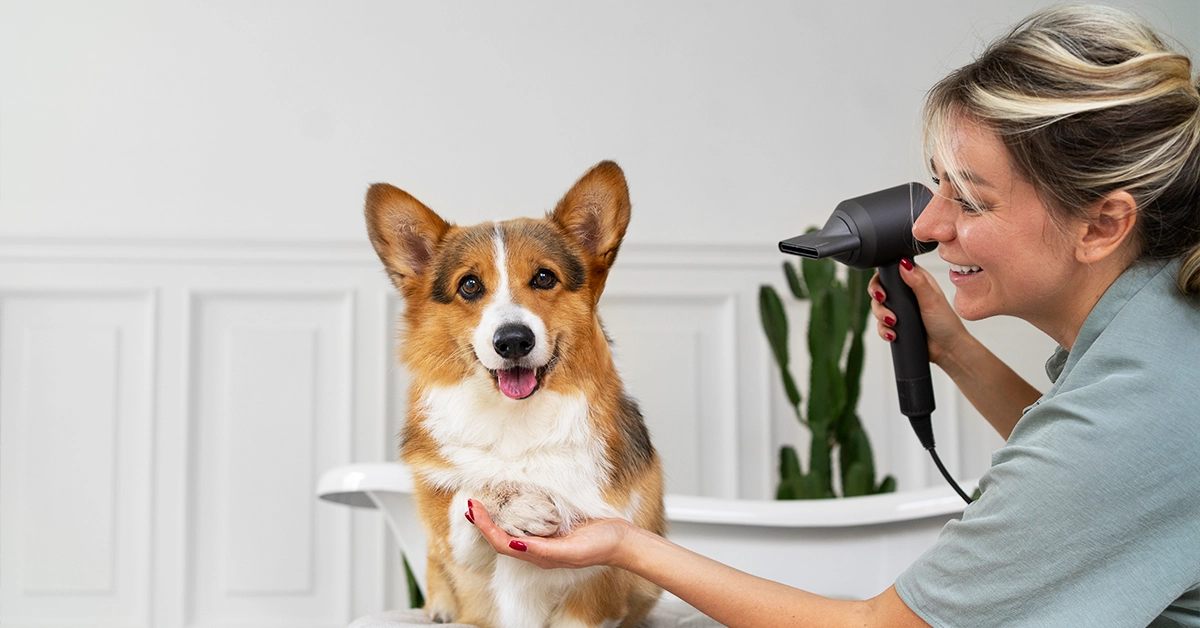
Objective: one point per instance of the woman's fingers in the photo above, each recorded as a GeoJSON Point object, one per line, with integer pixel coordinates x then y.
{"type": "Point", "coordinates": [875, 289]}
{"type": "Point", "coordinates": [527, 549]}
{"type": "Point", "coordinates": [885, 318]}
{"type": "Point", "coordinates": [500, 540]}
{"type": "Point", "coordinates": [923, 284]}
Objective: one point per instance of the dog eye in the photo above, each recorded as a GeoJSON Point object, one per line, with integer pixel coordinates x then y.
{"type": "Point", "coordinates": [544, 280]}
{"type": "Point", "coordinates": [470, 287]}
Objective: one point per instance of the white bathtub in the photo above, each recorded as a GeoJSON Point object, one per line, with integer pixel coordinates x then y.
{"type": "Point", "coordinates": [847, 548]}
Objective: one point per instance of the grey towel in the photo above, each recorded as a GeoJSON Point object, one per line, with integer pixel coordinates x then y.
{"type": "Point", "coordinates": [668, 613]}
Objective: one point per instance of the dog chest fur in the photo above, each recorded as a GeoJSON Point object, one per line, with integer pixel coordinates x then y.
{"type": "Point", "coordinates": [546, 441]}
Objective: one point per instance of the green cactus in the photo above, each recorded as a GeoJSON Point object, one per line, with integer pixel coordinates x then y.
{"type": "Point", "coordinates": [415, 599]}
{"type": "Point", "coordinates": [837, 310]}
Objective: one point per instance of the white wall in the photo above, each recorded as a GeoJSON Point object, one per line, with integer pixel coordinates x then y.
{"type": "Point", "coordinates": [738, 122]}
{"type": "Point", "coordinates": [182, 254]}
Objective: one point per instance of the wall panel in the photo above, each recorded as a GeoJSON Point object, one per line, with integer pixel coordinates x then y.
{"type": "Point", "coordinates": [272, 380]}
{"type": "Point", "coordinates": [673, 353]}
{"type": "Point", "coordinates": [76, 379]}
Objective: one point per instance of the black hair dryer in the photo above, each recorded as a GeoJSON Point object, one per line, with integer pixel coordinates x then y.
{"type": "Point", "coordinates": [875, 231]}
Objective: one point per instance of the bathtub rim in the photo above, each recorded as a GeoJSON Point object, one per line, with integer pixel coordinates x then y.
{"type": "Point", "coordinates": [350, 484]}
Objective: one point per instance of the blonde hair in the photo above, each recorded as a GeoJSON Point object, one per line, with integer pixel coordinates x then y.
{"type": "Point", "coordinates": [1089, 100]}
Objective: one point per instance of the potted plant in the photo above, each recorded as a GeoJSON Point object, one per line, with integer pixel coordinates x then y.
{"type": "Point", "coordinates": [838, 316]}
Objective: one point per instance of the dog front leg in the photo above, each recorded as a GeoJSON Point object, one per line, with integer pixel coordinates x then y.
{"type": "Point", "coordinates": [442, 605]}
{"type": "Point", "coordinates": [469, 547]}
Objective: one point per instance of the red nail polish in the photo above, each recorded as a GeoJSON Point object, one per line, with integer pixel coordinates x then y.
{"type": "Point", "coordinates": [470, 517]}
{"type": "Point", "coordinates": [890, 336]}
{"type": "Point", "coordinates": [889, 321]}
{"type": "Point", "coordinates": [517, 545]}
{"type": "Point", "coordinates": [878, 296]}
{"type": "Point", "coordinates": [906, 263]}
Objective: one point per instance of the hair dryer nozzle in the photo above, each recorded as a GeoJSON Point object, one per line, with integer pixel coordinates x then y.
{"type": "Point", "coordinates": [817, 245]}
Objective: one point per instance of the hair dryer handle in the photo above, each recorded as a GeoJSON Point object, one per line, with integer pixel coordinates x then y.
{"type": "Point", "coordinates": [910, 350]}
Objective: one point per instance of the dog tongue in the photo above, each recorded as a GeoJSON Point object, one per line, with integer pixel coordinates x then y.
{"type": "Point", "coordinates": [517, 383]}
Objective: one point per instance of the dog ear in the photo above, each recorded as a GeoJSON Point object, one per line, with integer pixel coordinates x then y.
{"type": "Point", "coordinates": [595, 212]}
{"type": "Point", "coordinates": [403, 231]}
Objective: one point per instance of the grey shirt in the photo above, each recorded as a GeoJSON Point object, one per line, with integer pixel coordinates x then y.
{"type": "Point", "coordinates": [1090, 513]}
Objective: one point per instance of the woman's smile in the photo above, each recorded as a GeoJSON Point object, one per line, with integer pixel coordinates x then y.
{"type": "Point", "coordinates": [960, 273]}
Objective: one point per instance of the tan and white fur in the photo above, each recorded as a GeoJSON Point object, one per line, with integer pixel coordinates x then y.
{"type": "Point", "coordinates": [514, 401]}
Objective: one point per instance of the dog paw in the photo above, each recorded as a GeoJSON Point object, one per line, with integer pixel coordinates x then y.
{"type": "Point", "coordinates": [439, 616]}
{"type": "Point", "coordinates": [525, 513]}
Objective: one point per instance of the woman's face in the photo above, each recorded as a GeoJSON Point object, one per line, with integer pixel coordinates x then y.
{"type": "Point", "coordinates": [1006, 256]}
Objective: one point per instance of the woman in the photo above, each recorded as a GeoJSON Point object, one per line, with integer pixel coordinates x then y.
{"type": "Point", "coordinates": [1067, 166]}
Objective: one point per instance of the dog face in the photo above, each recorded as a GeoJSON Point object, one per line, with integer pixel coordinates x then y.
{"type": "Point", "coordinates": [514, 301]}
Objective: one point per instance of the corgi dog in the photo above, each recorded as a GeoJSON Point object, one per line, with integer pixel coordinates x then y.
{"type": "Point", "coordinates": [514, 401]}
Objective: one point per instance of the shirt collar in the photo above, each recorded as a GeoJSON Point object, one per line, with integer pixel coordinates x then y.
{"type": "Point", "coordinates": [1118, 294]}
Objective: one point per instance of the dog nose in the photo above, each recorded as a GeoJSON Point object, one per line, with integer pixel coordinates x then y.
{"type": "Point", "coordinates": [513, 341]}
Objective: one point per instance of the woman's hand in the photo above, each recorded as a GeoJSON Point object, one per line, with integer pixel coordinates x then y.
{"type": "Point", "coordinates": [943, 328]}
{"type": "Point", "coordinates": [595, 543]}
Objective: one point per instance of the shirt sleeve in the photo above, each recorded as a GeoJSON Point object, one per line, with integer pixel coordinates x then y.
{"type": "Point", "coordinates": [1089, 516]}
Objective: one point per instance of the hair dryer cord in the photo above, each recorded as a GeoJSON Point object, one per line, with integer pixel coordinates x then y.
{"type": "Point", "coordinates": [923, 426]}
{"type": "Point", "coordinates": [946, 474]}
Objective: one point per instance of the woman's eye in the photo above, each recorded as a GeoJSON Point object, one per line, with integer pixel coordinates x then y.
{"type": "Point", "coordinates": [544, 280]}
{"type": "Point", "coordinates": [470, 287]}
{"type": "Point", "coordinates": [968, 206]}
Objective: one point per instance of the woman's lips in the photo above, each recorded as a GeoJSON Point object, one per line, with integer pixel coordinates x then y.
{"type": "Point", "coordinates": [962, 272]}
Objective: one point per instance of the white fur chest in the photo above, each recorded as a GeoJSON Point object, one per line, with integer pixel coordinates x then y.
{"type": "Point", "coordinates": [544, 441]}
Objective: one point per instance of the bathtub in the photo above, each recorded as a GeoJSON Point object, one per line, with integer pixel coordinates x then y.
{"type": "Point", "coordinates": [845, 548]}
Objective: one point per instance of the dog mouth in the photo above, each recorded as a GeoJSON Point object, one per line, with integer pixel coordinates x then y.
{"type": "Point", "coordinates": [517, 382]}
{"type": "Point", "coordinates": [520, 382]}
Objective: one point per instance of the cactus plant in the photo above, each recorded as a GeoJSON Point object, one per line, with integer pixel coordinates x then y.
{"type": "Point", "coordinates": [838, 310]}
{"type": "Point", "coordinates": [415, 598]}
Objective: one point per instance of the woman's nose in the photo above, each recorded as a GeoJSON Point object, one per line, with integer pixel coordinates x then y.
{"type": "Point", "coordinates": [935, 224]}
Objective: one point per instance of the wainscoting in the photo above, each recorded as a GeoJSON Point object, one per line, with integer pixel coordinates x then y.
{"type": "Point", "coordinates": [166, 409]}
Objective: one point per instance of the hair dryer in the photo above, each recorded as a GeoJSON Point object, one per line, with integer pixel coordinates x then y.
{"type": "Point", "coordinates": [875, 231]}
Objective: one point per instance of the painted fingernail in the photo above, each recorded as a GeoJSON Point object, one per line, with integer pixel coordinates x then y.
{"type": "Point", "coordinates": [469, 517]}
{"type": "Point", "coordinates": [890, 336]}
{"type": "Point", "coordinates": [889, 321]}
{"type": "Point", "coordinates": [517, 545]}
{"type": "Point", "coordinates": [906, 263]}
{"type": "Point", "coordinates": [878, 296]}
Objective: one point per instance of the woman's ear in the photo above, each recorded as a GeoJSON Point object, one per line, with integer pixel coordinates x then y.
{"type": "Point", "coordinates": [1109, 227]}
